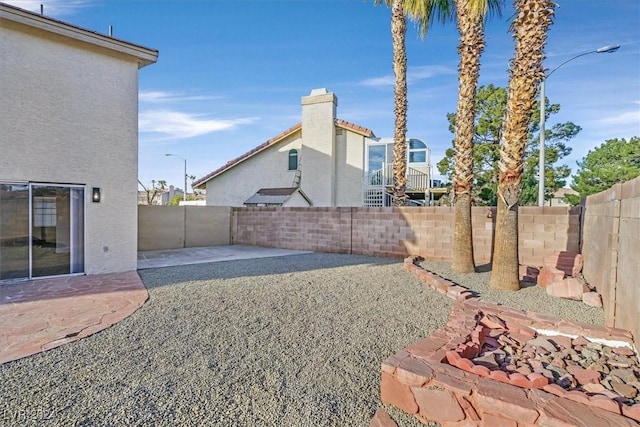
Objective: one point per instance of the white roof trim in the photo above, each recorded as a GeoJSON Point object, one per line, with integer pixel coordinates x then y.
{"type": "Point", "coordinates": [146, 56]}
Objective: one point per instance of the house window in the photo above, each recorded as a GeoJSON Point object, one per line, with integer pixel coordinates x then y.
{"type": "Point", "coordinates": [293, 160]}
{"type": "Point", "coordinates": [417, 151]}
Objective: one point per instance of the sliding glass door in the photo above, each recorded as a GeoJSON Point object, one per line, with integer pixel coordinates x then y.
{"type": "Point", "coordinates": [42, 231]}
{"type": "Point", "coordinates": [14, 231]}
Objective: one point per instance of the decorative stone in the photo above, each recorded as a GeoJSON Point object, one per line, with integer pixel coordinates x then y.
{"type": "Point", "coordinates": [437, 404]}
{"type": "Point", "coordinates": [549, 275]}
{"type": "Point", "coordinates": [569, 288]}
{"type": "Point", "coordinates": [584, 376]}
{"type": "Point", "coordinates": [624, 390]}
{"type": "Point", "coordinates": [395, 393]}
{"type": "Point", "coordinates": [488, 360]}
{"type": "Point", "coordinates": [382, 419]}
{"type": "Point", "coordinates": [592, 299]}
{"type": "Point", "coordinates": [542, 342]}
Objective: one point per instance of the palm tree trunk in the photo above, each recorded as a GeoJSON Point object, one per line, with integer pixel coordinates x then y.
{"type": "Point", "coordinates": [530, 32]}
{"type": "Point", "coordinates": [470, 27]}
{"type": "Point", "coordinates": [398, 31]}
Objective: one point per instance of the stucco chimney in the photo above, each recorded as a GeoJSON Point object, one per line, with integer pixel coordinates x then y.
{"type": "Point", "coordinates": [319, 146]}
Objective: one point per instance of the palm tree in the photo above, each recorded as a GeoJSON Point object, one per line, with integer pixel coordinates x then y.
{"type": "Point", "coordinates": [533, 18]}
{"type": "Point", "coordinates": [424, 12]}
{"type": "Point", "coordinates": [398, 32]}
{"type": "Point", "coordinates": [470, 21]}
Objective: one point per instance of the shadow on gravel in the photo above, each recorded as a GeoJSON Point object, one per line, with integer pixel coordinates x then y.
{"type": "Point", "coordinates": [167, 276]}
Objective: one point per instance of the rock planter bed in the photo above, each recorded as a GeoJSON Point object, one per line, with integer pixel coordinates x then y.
{"type": "Point", "coordinates": [495, 366]}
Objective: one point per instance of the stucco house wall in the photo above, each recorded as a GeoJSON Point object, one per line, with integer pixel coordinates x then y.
{"type": "Point", "coordinates": [69, 114]}
{"type": "Point", "coordinates": [350, 148]}
{"type": "Point", "coordinates": [331, 156]}
{"type": "Point", "coordinates": [268, 168]}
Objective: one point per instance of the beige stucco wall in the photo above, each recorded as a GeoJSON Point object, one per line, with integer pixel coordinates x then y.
{"type": "Point", "coordinates": [318, 151]}
{"type": "Point", "coordinates": [173, 227]}
{"type": "Point", "coordinates": [267, 169]}
{"type": "Point", "coordinates": [68, 114]}
{"type": "Point", "coordinates": [349, 168]}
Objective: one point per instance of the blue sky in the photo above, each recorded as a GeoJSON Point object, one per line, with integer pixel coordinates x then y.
{"type": "Point", "coordinates": [231, 73]}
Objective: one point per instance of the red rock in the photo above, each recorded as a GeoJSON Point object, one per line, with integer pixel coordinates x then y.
{"type": "Point", "coordinates": [561, 341]}
{"type": "Point", "coordinates": [492, 322]}
{"type": "Point", "coordinates": [468, 408]}
{"type": "Point", "coordinates": [483, 371]}
{"type": "Point", "coordinates": [537, 380]}
{"type": "Point", "coordinates": [425, 347]}
{"type": "Point", "coordinates": [569, 262]}
{"type": "Point", "coordinates": [623, 351]}
{"type": "Point", "coordinates": [577, 396]}
{"type": "Point", "coordinates": [592, 299]}
{"type": "Point", "coordinates": [393, 392]}
{"type": "Point", "coordinates": [565, 412]}
{"type": "Point", "coordinates": [462, 387]}
{"type": "Point", "coordinates": [468, 351]}
{"type": "Point", "coordinates": [549, 275]}
{"type": "Point", "coordinates": [603, 402]}
{"type": "Point", "coordinates": [632, 411]}
{"type": "Point", "coordinates": [465, 364]}
{"type": "Point", "coordinates": [413, 372]}
{"type": "Point", "coordinates": [584, 376]}
{"type": "Point", "coordinates": [438, 405]}
{"type": "Point", "coordinates": [495, 420]}
{"type": "Point", "coordinates": [453, 357]}
{"type": "Point", "coordinates": [456, 290]}
{"type": "Point", "coordinates": [382, 419]}
{"type": "Point", "coordinates": [500, 376]}
{"type": "Point", "coordinates": [495, 397]}
{"type": "Point", "coordinates": [519, 380]}
{"type": "Point", "coordinates": [568, 288]}
{"type": "Point", "coordinates": [555, 389]}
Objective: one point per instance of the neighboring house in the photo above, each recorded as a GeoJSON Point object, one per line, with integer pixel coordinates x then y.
{"type": "Point", "coordinates": [68, 148]}
{"type": "Point", "coordinates": [161, 197]}
{"type": "Point", "coordinates": [322, 161]}
{"type": "Point", "coordinates": [558, 198]}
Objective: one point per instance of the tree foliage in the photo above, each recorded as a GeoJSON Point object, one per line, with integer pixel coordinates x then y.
{"type": "Point", "coordinates": [617, 160]}
{"type": "Point", "coordinates": [490, 105]}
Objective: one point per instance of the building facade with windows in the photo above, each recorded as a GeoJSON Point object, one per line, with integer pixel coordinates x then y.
{"type": "Point", "coordinates": [329, 161]}
{"type": "Point", "coordinates": [68, 148]}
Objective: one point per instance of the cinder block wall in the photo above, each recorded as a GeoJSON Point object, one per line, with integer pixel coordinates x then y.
{"type": "Point", "coordinates": [611, 251]}
{"type": "Point", "coordinates": [399, 232]}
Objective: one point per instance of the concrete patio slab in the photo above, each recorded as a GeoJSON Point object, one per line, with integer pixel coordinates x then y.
{"type": "Point", "coordinates": [38, 315]}
{"type": "Point", "coordinates": [185, 256]}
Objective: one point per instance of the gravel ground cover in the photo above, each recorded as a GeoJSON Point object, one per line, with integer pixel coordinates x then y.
{"type": "Point", "coordinates": [530, 297]}
{"type": "Point", "coordinates": [286, 341]}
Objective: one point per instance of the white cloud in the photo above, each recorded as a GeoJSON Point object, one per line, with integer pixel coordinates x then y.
{"type": "Point", "coordinates": [627, 118]}
{"type": "Point", "coordinates": [164, 96]}
{"type": "Point", "coordinates": [51, 7]}
{"type": "Point", "coordinates": [414, 74]}
{"type": "Point", "coordinates": [177, 125]}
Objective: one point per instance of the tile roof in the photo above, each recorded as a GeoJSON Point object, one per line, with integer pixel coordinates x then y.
{"type": "Point", "coordinates": [339, 122]}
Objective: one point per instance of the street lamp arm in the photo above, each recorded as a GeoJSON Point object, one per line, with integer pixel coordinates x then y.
{"type": "Point", "coordinates": [604, 49]}
{"type": "Point", "coordinates": [541, 169]}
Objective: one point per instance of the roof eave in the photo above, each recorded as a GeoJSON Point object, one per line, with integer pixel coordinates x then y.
{"type": "Point", "coordinates": [145, 56]}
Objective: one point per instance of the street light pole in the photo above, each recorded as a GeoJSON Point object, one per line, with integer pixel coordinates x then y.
{"type": "Point", "coordinates": [604, 49]}
{"type": "Point", "coordinates": [184, 193]}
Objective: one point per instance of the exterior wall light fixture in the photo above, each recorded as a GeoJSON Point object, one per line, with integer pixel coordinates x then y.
{"type": "Point", "coordinates": [95, 195]}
